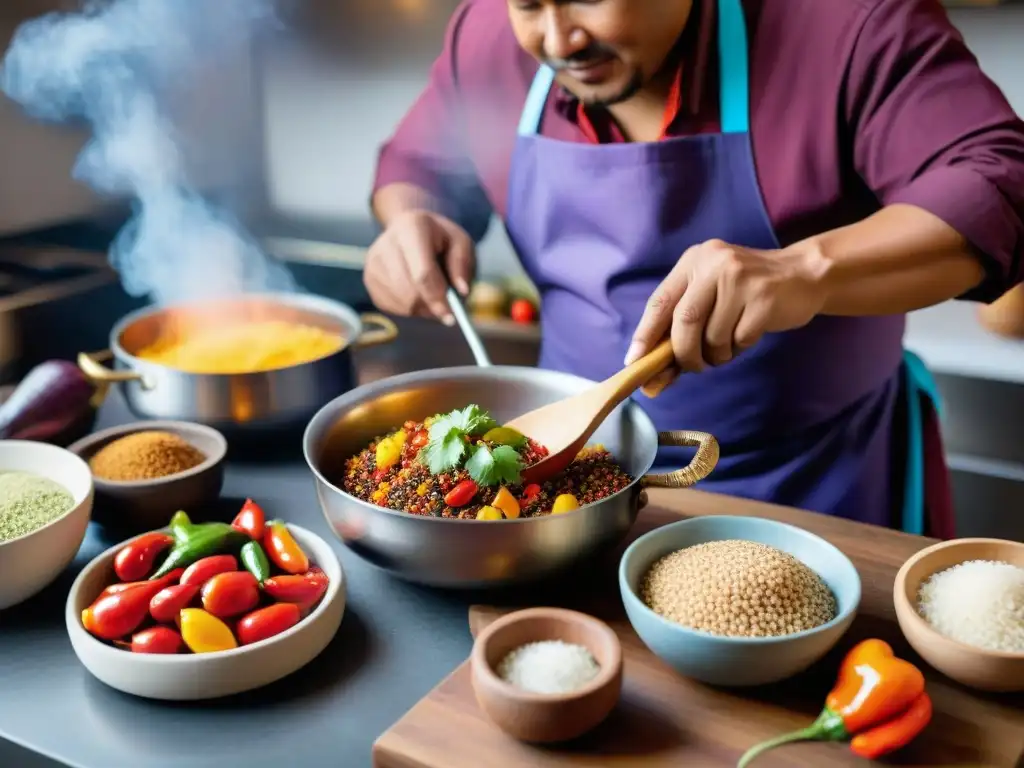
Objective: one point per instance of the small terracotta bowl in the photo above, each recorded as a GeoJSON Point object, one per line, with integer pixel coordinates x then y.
{"type": "Point", "coordinates": [146, 505]}
{"type": "Point", "coordinates": [974, 667]}
{"type": "Point", "coordinates": [539, 717]}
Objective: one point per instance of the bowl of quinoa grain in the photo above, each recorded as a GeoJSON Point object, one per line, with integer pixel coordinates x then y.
{"type": "Point", "coordinates": [46, 498]}
{"type": "Point", "coordinates": [738, 601]}
{"type": "Point", "coordinates": [146, 471]}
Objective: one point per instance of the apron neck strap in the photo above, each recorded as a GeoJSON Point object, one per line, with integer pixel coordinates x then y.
{"type": "Point", "coordinates": [734, 98]}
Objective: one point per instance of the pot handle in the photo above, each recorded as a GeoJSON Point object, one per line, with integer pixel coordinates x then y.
{"type": "Point", "coordinates": [99, 373]}
{"type": "Point", "coordinates": [703, 462]}
{"type": "Point", "coordinates": [385, 332]}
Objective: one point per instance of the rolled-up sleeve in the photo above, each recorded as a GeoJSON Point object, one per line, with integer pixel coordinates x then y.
{"type": "Point", "coordinates": [427, 149]}
{"type": "Point", "coordinates": [930, 129]}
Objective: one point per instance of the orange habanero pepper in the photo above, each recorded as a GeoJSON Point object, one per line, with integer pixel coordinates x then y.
{"type": "Point", "coordinates": [878, 701]}
{"type": "Point", "coordinates": [283, 550]}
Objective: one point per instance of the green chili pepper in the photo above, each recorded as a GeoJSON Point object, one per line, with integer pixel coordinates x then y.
{"type": "Point", "coordinates": [255, 561]}
{"type": "Point", "coordinates": [198, 542]}
{"type": "Point", "coordinates": [181, 526]}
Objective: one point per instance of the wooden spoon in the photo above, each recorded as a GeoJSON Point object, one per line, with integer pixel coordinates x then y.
{"type": "Point", "coordinates": [565, 427]}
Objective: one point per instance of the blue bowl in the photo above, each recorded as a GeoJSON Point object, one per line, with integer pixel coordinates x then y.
{"type": "Point", "coordinates": [737, 661]}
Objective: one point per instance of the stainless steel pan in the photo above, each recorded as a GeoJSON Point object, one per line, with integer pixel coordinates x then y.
{"type": "Point", "coordinates": [275, 398]}
{"type": "Point", "coordinates": [460, 553]}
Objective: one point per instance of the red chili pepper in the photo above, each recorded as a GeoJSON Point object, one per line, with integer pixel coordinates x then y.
{"type": "Point", "coordinates": [135, 560]}
{"type": "Point", "coordinates": [890, 736]}
{"type": "Point", "coordinates": [169, 578]}
{"type": "Point", "coordinates": [283, 550]}
{"type": "Point", "coordinates": [267, 622]}
{"type": "Point", "coordinates": [250, 520]}
{"type": "Point", "coordinates": [168, 602]}
{"type": "Point", "coordinates": [231, 594]}
{"type": "Point", "coordinates": [461, 494]}
{"type": "Point", "coordinates": [303, 590]}
{"type": "Point", "coordinates": [115, 615]}
{"type": "Point", "coordinates": [201, 571]}
{"type": "Point", "coordinates": [530, 492]}
{"type": "Point", "coordinates": [157, 640]}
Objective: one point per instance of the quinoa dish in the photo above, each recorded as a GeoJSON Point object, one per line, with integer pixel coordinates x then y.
{"type": "Point", "coordinates": [463, 465]}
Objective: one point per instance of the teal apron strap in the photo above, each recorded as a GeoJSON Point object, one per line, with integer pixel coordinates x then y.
{"type": "Point", "coordinates": [920, 384]}
{"type": "Point", "coordinates": [734, 73]}
{"type": "Point", "coordinates": [536, 100]}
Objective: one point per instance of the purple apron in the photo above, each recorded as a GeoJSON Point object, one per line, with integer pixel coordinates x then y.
{"type": "Point", "coordinates": [805, 418]}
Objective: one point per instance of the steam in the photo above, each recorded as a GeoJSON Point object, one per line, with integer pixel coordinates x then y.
{"type": "Point", "coordinates": [123, 66]}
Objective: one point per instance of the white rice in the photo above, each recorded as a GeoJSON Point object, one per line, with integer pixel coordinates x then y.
{"type": "Point", "coordinates": [979, 603]}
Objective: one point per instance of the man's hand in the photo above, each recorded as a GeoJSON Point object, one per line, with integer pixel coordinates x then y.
{"type": "Point", "coordinates": [720, 299]}
{"type": "Point", "coordinates": [404, 265]}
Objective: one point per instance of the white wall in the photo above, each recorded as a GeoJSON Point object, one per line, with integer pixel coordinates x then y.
{"type": "Point", "coordinates": [324, 120]}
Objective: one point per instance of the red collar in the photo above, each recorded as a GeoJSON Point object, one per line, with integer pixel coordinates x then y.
{"type": "Point", "coordinates": [589, 124]}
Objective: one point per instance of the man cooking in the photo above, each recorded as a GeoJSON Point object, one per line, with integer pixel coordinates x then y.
{"type": "Point", "coordinates": [773, 183]}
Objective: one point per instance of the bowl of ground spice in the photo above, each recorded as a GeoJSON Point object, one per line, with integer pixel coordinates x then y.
{"type": "Point", "coordinates": [146, 471]}
{"type": "Point", "coordinates": [738, 601]}
{"type": "Point", "coordinates": [46, 497]}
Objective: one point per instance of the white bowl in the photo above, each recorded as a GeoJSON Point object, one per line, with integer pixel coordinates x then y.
{"type": "Point", "coordinates": [30, 562]}
{"type": "Point", "coordinates": [189, 677]}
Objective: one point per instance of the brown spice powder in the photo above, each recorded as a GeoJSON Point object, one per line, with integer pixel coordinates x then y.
{"type": "Point", "coordinates": [145, 456]}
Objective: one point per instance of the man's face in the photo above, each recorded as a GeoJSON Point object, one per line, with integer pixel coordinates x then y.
{"type": "Point", "coordinates": [604, 51]}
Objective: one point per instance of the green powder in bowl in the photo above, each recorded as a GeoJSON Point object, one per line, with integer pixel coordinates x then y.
{"type": "Point", "coordinates": [28, 502]}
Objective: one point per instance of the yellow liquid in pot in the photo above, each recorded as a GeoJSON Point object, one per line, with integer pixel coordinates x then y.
{"type": "Point", "coordinates": [244, 348]}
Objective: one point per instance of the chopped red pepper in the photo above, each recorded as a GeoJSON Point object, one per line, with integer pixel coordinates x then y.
{"type": "Point", "coordinates": [530, 492]}
{"type": "Point", "coordinates": [250, 520]}
{"type": "Point", "coordinates": [461, 494]}
{"type": "Point", "coordinates": [420, 439]}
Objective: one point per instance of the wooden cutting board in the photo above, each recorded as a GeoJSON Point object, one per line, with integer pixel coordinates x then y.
{"type": "Point", "coordinates": [665, 720]}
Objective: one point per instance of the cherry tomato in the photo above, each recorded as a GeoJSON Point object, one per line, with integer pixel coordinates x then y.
{"type": "Point", "coordinates": [201, 571]}
{"type": "Point", "coordinates": [250, 520]}
{"type": "Point", "coordinates": [304, 590]}
{"type": "Point", "coordinates": [169, 601]}
{"type": "Point", "coordinates": [267, 622]}
{"type": "Point", "coordinates": [283, 550]}
{"type": "Point", "coordinates": [135, 560]}
{"type": "Point", "coordinates": [166, 580]}
{"type": "Point", "coordinates": [157, 640]}
{"type": "Point", "coordinates": [231, 594]}
{"type": "Point", "coordinates": [461, 494]}
{"type": "Point", "coordinates": [523, 311]}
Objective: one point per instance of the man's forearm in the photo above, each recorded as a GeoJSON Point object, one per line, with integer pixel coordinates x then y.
{"type": "Point", "coordinates": [901, 259]}
{"type": "Point", "coordinates": [393, 200]}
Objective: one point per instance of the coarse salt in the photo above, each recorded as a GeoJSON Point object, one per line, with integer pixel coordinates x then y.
{"type": "Point", "coordinates": [978, 602]}
{"type": "Point", "coordinates": [549, 666]}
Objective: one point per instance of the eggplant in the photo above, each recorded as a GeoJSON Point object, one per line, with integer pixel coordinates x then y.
{"type": "Point", "coordinates": [52, 404]}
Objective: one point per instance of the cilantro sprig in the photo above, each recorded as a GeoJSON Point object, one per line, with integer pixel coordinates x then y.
{"type": "Point", "coordinates": [492, 467]}
{"type": "Point", "coordinates": [449, 446]}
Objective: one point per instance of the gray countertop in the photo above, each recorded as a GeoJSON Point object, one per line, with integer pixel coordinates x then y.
{"type": "Point", "coordinates": [395, 643]}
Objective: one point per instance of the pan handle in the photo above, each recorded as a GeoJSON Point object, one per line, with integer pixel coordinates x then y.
{"type": "Point", "coordinates": [701, 466]}
{"type": "Point", "coordinates": [385, 332]}
{"type": "Point", "coordinates": [99, 373]}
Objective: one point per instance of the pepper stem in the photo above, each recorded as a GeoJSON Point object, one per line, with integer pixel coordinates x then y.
{"type": "Point", "coordinates": [828, 727]}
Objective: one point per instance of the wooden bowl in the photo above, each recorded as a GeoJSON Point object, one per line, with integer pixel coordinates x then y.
{"type": "Point", "coordinates": [540, 717]}
{"type": "Point", "coordinates": [974, 667]}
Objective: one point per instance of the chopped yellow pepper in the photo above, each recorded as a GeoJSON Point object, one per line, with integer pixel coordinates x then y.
{"type": "Point", "coordinates": [564, 502]}
{"type": "Point", "coordinates": [488, 513]}
{"type": "Point", "coordinates": [506, 502]}
{"type": "Point", "coordinates": [205, 633]}
{"type": "Point", "coordinates": [389, 450]}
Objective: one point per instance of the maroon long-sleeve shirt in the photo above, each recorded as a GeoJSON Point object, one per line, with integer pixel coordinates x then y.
{"type": "Point", "coordinates": [855, 104]}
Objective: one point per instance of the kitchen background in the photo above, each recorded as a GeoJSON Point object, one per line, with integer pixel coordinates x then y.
{"type": "Point", "coordinates": [290, 135]}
